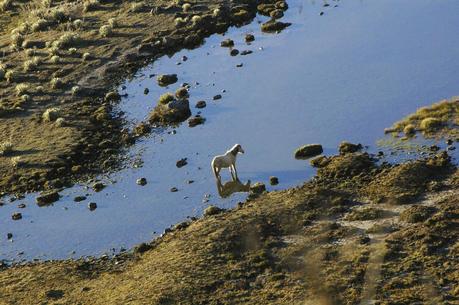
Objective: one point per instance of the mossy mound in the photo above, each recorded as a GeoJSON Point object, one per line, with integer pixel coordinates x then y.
{"type": "Point", "coordinates": [438, 119]}
{"type": "Point", "coordinates": [417, 214]}
{"type": "Point", "coordinates": [273, 26]}
{"type": "Point", "coordinates": [368, 213]}
{"type": "Point", "coordinates": [347, 166]}
{"type": "Point", "coordinates": [170, 111]}
{"type": "Point", "coordinates": [403, 183]}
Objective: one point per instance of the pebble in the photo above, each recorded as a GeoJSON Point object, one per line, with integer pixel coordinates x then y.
{"type": "Point", "coordinates": [181, 163]}
{"type": "Point", "coordinates": [92, 206]}
{"type": "Point", "coordinates": [217, 97]}
{"type": "Point", "coordinates": [200, 104]}
{"type": "Point", "coordinates": [16, 216]}
{"type": "Point", "coordinates": [273, 180]}
{"type": "Point", "coordinates": [234, 52]}
{"type": "Point", "coordinates": [174, 189]}
{"type": "Point", "coordinates": [141, 181]}
{"type": "Point", "coordinates": [9, 235]}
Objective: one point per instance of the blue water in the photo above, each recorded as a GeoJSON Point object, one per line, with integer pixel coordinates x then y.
{"type": "Point", "coordinates": [345, 75]}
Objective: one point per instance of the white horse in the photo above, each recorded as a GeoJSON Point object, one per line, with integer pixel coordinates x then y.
{"type": "Point", "coordinates": [228, 160]}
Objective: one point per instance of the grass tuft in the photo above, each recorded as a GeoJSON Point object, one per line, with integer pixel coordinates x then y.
{"type": "Point", "coordinates": [105, 31]}
{"type": "Point", "coordinates": [6, 148]}
{"type": "Point", "coordinates": [22, 89]}
{"type": "Point", "coordinates": [56, 83]}
{"type": "Point", "coordinates": [51, 114]}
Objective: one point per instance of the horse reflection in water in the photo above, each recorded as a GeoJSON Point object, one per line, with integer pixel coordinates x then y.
{"type": "Point", "coordinates": [228, 160]}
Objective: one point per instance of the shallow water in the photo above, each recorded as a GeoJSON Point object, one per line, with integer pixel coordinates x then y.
{"type": "Point", "coordinates": [345, 75]}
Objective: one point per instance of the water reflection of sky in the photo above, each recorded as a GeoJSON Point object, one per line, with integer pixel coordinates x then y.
{"type": "Point", "coordinates": [343, 76]}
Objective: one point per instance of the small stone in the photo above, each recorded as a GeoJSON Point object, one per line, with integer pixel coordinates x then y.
{"type": "Point", "coordinates": [98, 186]}
{"type": "Point", "coordinates": [76, 169]}
{"type": "Point", "coordinates": [212, 210]}
{"type": "Point", "coordinates": [141, 181]}
{"type": "Point", "coordinates": [308, 151]}
{"type": "Point", "coordinates": [239, 65]}
{"type": "Point", "coordinates": [181, 163]}
{"type": "Point", "coordinates": [79, 198]}
{"type": "Point", "coordinates": [184, 58]}
{"type": "Point", "coordinates": [234, 52]}
{"type": "Point", "coordinates": [217, 97]}
{"type": "Point", "coordinates": [190, 181]}
{"type": "Point", "coordinates": [273, 180]}
{"type": "Point", "coordinates": [196, 120]}
{"type": "Point", "coordinates": [321, 13]}
{"type": "Point", "coordinates": [449, 142]}
{"type": "Point", "coordinates": [9, 235]}
{"type": "Point", "coordinates": [347, 147]}
{"type": "Point", "coordinates": [16, 216]}
{"type": "Point", "coordinates": [200, 104]}
{"type": "Point", "coordinates": [174, 189]}
{"type": "Point", "coordinates": [46, 198]}
{"type": "Point", "coordinates": [246, 52]}
{"type": "Point", "coordinates": [227, 43]}
{"type": "Point", "coordinates": [21, 205]}
{"type": "Point", "coordinates": [92, 206]}
{"type": "Point", "coordinates": [182, 93]}
{"type": "Point", "coordinates": [167, 79]}
{"type": "Point", "coordinates": [146, 91]}
{"type": "Point", "coordinates": [249, 38]}
{"type": "Point", "coordinates": [258, 188]}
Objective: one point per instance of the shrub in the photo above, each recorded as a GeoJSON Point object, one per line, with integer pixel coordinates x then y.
{"type": "Point", "coordinates": [166, 98]}
{"type": "Point", "coordinates": [195, 19]}
{"type": "Point", "coordinates": [429, 124]}
{"type": "Point", "coordinates": [17, 161]}
{"type": "Point", "coordinates": [5, 5]}
{"type": "Point", "coordinates": [409, 130]}
{"type": "Point", "coordinates": [186, 7]}
{"type": "Point", "coordinates": [90, 5]}
{"type": "Point", "coordinates": [56, 83]}
{"type": "Point", "coordinates": [179, 21]}
{"type": "Point", "coordinates": [16, 40]}
{"type": "Point", "coordinates": [6, 148]}
{"type": "Point", "coordinates": [32, 64]}
{"type": "Point", "coordinates": [55, 59]}
{"type": "Point", "coordinates": [53, 51]}
{"type": "Point", "coordinates": [86, 56]}
{"type": "Point", "coordinates": [39, 25]}
{"type": "Point", "coordinates": [40, 89]}
{"type": "Point", "coordinates": [76, 90]}
{"type": "Point", "coordinates": [22, 89]}
{"type": "Point", "coordinates": [105, 30]}
{"type": "Point", "coordinates": [51, 114]}
{"type": "Point", "coordinates": [216, 12]}
{"type": "Point", "coordinates": [113, 23]}
{"type": "Point", "coordinates": [11, 76]}
{"type": "Point", "coordinates": [59, 15]}
{"type": "Point", "coordinates": [78, 24]}
{"type": "Point", "coordinates": [72, 51]}
{"type": "Point", "coordinates": [25, 98]}
{"type": "Point", "coordinates": [60, 122]}
{"type": "Point", "coordinates": [67, 40]}
{"type": "Point", "coordinates": [137, 7]}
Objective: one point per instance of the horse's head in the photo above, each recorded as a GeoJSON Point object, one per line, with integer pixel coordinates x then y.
{"type": "Point", "coordinates": [238, 148]}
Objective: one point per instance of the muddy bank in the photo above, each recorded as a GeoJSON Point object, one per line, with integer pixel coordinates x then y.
{"type": "Point", "coordinates": [360, 231]}
{"type": "Point", "coordinates": [65, 58]}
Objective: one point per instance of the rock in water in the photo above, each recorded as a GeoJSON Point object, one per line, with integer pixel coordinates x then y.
{"type": "Point", "coordinates": [308, 151]}
{"type": "Point", "coordinates": [46, 198]}
{"type": "Point", "coordinates": [347, 147]}
{"type": "Point", "coordinates": [212, 210]}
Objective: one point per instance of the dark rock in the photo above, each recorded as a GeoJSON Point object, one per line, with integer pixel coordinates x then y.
{"type": "Point", "coordinates": [319, 161]}
{"type": "Point", "coordinates": [217, 97]}
{"type": "Point", "coordinates": [141, 181]}
{"type": "Point", "coordinates": [9, 235]}
{"type": "Point", "coordinates": [212, 210]}
{"type": "Point", "coordinates": [227, 43]}
{"type": "Point", "coordinates": [46, 198]}
{"type": "Point", "coordinates": [234, 52]}
{"type": "Point", "coordinates": [258, 188]}
{"type": "Point", "coordinates": [112, 96]}
{"type": "Point", "coordinates": [182, 93]}
{"type": "Point", "coordinates": [16, 216]}
{"type": "Point", "coordinates": [249, 38]}
{"type": "Point", "coordinates": [274, 26]}
{"type": "Point", "coordinates": [146, 91]}
{"type": "Point", "coordinates": [196, 120]}
{"type": "Point", "coordinates": [98, 186]}
{"type": "Point", "coordinates": [142, 129]}
{"type": "Point", "coordinates": [308, 151]}
{"type": "Point", "coordinates": [184, 58]}
{"type": "Point", "coordinates": [246, 52]}
{"type": "Point", "coordinates": [273, 180]}
{"type": "Point", "coordinates": [21, 206]}
{"type": "Point", "coordinates": [181, 163]}
{"type": "Point", "coordinates": [347, 147]}
{"type": "Point", "coordinates": [239, 65]}
{"type": "Point", "coordinates": [321, 13]}
{"type": "Point", "coordinates": [92, 206]}
{"type": "Point", "coordinates": [141, 248]}
{"type": "Point", "coordinates": [174, 189]}
{"type": "Point", "coordinates": [181, 225]}
{"type": "Point", "coordinates": [276, 14]}
{"type": "Point", "coordinates": [167, 79]}
{"type": "Point", "coordinates": [200, 104]}
{"type": "Point", "coordinates": [79, 198]}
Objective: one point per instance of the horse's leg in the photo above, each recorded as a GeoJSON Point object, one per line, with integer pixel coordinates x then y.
{"type": "Point", "coordinates": [232, 173]}
{"type": "Point", "coordinates": [235, 172]}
